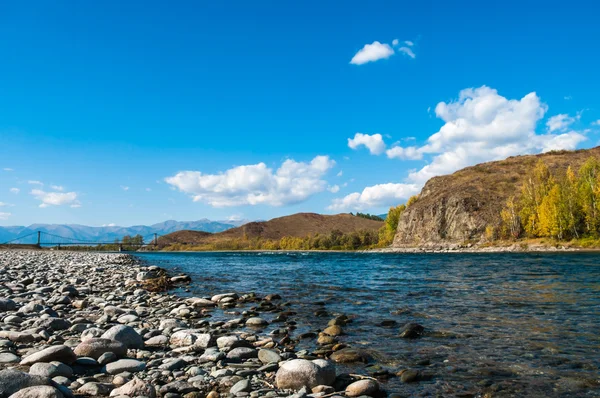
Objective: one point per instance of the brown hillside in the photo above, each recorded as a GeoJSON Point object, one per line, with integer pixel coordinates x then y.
{"type": "Point", "coordinates": [297, 225]}
{"type": "Point", "coordinates": [458, 207]}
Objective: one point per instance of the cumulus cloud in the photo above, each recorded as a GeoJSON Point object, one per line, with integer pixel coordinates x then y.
{"type": "Point", "coordinates": [376, 51]}
{"type": "Point", "coordinates": [56, 198]}
{"type": "Point", "coordinates": [14, 190]}
{"type": "Point", "coordinates": [410, 153]}
{"type": "Point", "coordinates": [4, 204]}
{"type": "Point", "coordinates": [375, 196]}
{"type": "Point", "coordinates": [35, 182]}
{"type": "Point", "coordinates": [373, 142]}
{"type": "Point", "coordinates": [292, 182]}
{"type": "Point", "coordinates": [479, 126]}
{"type": "Point", "coordinates": [333, 188]}
{"type": "Point", "coordinates": [559, 122]}
{"type": "Point", "coordinates": [4, 215]}
{"type": "Point", "coordinates": [596, 123]}
{"type": "Point", "coordinates": [371, 53]}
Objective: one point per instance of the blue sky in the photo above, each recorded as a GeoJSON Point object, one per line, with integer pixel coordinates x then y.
{"type": "Point", "coordinates": [137, 112]}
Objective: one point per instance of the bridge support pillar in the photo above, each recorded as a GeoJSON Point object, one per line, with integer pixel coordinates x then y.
{"type": "Point", "coordinates": [39, 240]}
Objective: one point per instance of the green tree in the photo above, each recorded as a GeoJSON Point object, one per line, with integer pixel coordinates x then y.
{"type": "Point", "coordinates": [587, 188]}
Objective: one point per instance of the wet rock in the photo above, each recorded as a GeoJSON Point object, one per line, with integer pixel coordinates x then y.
{"type": "Point", "coordinates": [333, 331]}
{"type": "Point", "coordinates": [411, 331]}
{"type": "Point", "coordinates": [256, 322]}
{"type": "Point", "coordinates": [350, 355]}
{"type": "Point", "coordinates": [60, 353]}
{"type": "Point", "coordinates": [126, 335]}
{"type": "Point", "coordinates": [409, 376]}
{"type": "Point", "coordinates": [362, 387]}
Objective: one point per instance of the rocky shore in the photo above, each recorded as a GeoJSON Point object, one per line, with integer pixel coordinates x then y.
{"type": "Point", "coordinates": [95, 325]}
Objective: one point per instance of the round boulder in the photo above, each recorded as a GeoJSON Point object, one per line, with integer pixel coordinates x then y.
{"type": "Point", "coordinates": [299, 373]}
{"type": "Point", "coordinates": [126, 335]}
{"type": "Point", "coordinates": [362, 387]}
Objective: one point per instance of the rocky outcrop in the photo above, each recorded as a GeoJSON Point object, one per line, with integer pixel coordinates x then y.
{"type": "Point", "coordinates": [455, 210]}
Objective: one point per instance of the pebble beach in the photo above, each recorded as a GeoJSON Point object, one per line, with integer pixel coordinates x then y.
{"type": "Point", "coordinates": [99, 324]}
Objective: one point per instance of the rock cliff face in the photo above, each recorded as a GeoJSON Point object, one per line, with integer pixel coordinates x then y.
{"type": "Point", "coordinates": [457, 208]}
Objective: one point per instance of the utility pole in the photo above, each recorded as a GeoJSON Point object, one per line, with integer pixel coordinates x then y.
{"type": "Point", "coordinates": [39, 238]}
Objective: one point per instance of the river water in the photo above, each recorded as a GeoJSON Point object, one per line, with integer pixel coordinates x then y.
{"type": "Point", "coordinates": [500, 324]}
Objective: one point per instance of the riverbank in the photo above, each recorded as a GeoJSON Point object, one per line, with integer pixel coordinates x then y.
{"type": "Point", "coordinates": [89, 324]}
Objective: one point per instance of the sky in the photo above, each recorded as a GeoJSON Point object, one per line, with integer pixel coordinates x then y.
{"type": "Point", "coordinates": [137, 112]}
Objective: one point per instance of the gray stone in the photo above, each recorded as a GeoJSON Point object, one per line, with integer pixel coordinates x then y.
{"type": "Point", "coordinates": [135, 388]}
{"type": "Point", "coordinates": [38, 392]}
{"type": "Point", "coordinates": [241, 386]}
{"type": "Point", "coordinates": [256, 322]}
{"type": "Point", "coordinates": [125, 365]}
{"type": "Point", "coordinates": [157, 341]}
{"type": "Point", "coordinates": [7, 305]}
{"type": "Point", "coordinates": [188, 337]}
{"type": "Point", "coordinates": [12, 380]}
{"type": "Point", "coordinates": [60, 353]}
{"type": "Point", "coordinates": [362, 387]}
{"type": "Point", "coordinates": [299, 373]}
{"type": "Point", "coordinates": [242, 353]}
{"type": "Point", "coordinates": [107, 357]}
{"type": "Point", "coordinates": [50, 370]}
{"type": "Point", "coordinates": [95, 347]}
{"type": "Point", "coordinates": [9, 357]}
{"type": "Point", "coordinates": [94, 389]}
{"type": "Point", "coordinates": [126, 335]}
{"type": "Point", "coordinates": [267, 356]}
{"type": "Point", "coordinates": [174, 364]}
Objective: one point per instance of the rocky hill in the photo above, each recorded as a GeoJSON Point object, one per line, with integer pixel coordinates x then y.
{"type": "Point", "coordinates": [456, 208]}
{"type": "Point", "coordinates": [297, 225]}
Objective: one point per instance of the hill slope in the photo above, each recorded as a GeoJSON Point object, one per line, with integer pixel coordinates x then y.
{"type": "Point", "coordinates": [297, 225]}
{"type": "Point", "coordinates": [458, 207]}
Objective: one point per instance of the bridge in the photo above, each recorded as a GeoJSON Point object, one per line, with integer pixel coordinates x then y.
{"type": "Point", "coordinates": [41, 239]}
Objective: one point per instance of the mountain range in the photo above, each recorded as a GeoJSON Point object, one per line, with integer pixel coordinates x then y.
{"type": "Point", "coordinates": [109, 233]}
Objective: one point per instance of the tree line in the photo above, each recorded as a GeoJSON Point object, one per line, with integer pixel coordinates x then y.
{"type": "Point", "coordinates": [561, 205]}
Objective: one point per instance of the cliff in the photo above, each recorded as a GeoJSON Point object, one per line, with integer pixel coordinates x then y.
{"type": "Point", "coordinates": [457, 208]}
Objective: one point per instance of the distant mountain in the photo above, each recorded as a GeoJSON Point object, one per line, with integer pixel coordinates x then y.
{"type": "Point", "coordinates": [297, 225]}
{"type": "Point", "coordinates": [110, 233]}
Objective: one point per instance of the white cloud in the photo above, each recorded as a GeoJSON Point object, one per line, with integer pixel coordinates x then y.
{"type": "Point", "coordinates": [376, 196]}
{"type": "Point", "coordinates": [376, 51]}
{"type": "Point", "coordinates": [7, 169]}
{"type": "Point", "coordinates": [57, 187]}
{"type": "Point", "coordinates": [596, 123]}
{"type": "Point", "coordinates": [4, 215]}
{"type": "Point", "coordinates": [35, 182]}
{"type": "Point", "coordinates": [56, 198]}
{"type": "Point", "coordinates": [559, 122]}
{"type": "Point", "coordinates": [408, 52]}
{"type": "Point", "coordinates": [124, 188]}
{"type": "Point", "coordinates": [371, 53]}
{"type": "Point", "coordinates": [479, 126]}
{"type": "Point", "coordinates": [14, 190]}
{"type": "Point", "coordinates": [373, 142]}
{"type": "Point", "coordinates": [292, 182]}
{"type": "Point", "coordinates": [4, 204]}
{"type": "Point", "coordinates": [109, 225]}
{"type": "Point", "coordinates": [341, 173]}
{"type": "Point", "coordinates": [333, 188]}
{"type": "Point", "coordinates": [398, 152]}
